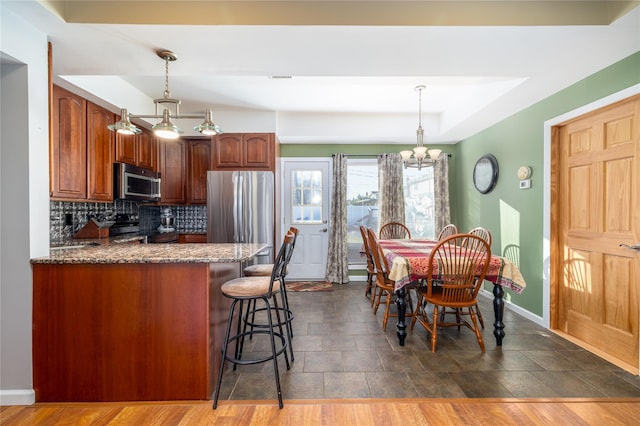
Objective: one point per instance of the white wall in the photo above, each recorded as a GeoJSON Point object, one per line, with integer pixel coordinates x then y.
{"type": "Point", "coordinates": [24, 196]}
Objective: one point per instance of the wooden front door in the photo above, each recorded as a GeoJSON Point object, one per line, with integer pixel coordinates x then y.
{"type": "Point", "coordinates": [595, 281]}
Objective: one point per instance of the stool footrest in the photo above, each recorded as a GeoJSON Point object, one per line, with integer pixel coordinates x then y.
{"type": "Point", "coordinates": [240, 361]}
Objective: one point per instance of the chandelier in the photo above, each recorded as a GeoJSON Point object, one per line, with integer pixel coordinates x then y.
{"type": "Point", "coordinates": [418, 157]}
{"type": "Point", "coordinates": [170, 110]}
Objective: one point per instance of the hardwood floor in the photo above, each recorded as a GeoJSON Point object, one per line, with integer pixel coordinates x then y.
{"type": "Point", "coordinates": [461, 411]}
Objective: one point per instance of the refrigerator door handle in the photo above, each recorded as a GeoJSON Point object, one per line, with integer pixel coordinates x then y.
{"type": "Point", "coordinates": [237, 206]}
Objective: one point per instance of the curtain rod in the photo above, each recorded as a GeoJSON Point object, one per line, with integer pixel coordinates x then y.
{"type": "Point", "coordinates": [373, 155]}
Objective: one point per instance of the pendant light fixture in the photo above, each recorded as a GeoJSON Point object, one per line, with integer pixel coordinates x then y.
{"type": "Point", "coordinates": [170, 109]}
{"type": "Point", "coordinates": [418, 157]}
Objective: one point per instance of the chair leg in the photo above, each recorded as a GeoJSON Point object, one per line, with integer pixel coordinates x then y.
{"type": "Point", "coordinates": [367, 289]}
{"type": "Point", "coordinates": [279, 322]}
{"type": "Point", "coordinates": [434, 329]}
{"type": "Point", "coordinates": [241, 325]}
{"type": "Point", "coordinates": [479, 315]}
{"type": "Point", "coordinates": [419, 310]}
{"type": "Point", "coordinates": [476, 329]}
{"type": "Point", "coordinates": [374, 295]}
{"type": "Point", "coordinates": [378, 299]}
{"type": "Point", "coordinates": [385, 318]}
{"type": "Point", "coordinates": [223, 359]}
{"type": "Point", "coordinates": [273, 348]}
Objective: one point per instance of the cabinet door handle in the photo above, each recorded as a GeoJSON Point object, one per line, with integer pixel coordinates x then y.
{"type": "Point", "coordinates": [635, 247]}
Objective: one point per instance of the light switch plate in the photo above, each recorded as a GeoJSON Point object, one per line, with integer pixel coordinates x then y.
{"type": "Point", "coordinates": [525, 184]}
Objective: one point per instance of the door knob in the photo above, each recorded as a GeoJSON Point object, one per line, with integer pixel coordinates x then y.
{"type": "Point", "coordinates": [636, 247]}
{"type": "Point", "coordinates": [324, 230]}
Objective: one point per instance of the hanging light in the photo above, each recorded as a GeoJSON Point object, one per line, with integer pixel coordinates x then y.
{"type": "Point", "coordinates": [170, 109]}
{"type": "Point", "coordinates": [418, 157]}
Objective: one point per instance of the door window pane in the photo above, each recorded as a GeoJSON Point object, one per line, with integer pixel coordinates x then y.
{"type": "Point", "coordinates": [306, 196]}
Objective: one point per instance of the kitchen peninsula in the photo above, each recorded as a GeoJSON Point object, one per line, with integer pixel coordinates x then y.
{"type": "Point", "coordinates": [131, 322]}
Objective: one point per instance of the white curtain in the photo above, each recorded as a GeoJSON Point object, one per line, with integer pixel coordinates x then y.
{"type": "Point", "coordinates": [337, 257]}
{"type": "Point", "coordinates": [390, 193]}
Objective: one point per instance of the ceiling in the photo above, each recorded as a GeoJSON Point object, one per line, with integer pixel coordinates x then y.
{"type": "Point", "coordinates": [353, 65]}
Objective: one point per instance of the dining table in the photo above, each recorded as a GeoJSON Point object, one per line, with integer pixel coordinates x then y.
{"type": "Point", "coordinates": [408, 261]}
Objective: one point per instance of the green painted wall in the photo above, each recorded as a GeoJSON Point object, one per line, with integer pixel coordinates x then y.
{"type": "Point", "coordinates": [515, 216]}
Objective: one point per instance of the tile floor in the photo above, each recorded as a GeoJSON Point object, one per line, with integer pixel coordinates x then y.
{"type": "Point", "coordinates": [341, 352]}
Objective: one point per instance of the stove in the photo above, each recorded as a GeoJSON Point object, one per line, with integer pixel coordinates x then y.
{"type": "Point", "coordinates": [125, 223]}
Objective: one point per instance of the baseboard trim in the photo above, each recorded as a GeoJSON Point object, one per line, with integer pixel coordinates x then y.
{"type": "Point", "coordinates": [17, 397]}
{"type": "Point", "coordinates": [515, 308]}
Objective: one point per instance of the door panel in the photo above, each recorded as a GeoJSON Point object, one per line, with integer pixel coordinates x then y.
{"type": "Point", "coordinates": [598, 204]}
{"type": "Point", "coordinates": [306, 198]}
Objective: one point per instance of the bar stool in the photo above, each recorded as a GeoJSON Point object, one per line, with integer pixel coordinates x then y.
{"type": "Point", "coordinates": [251, 289]}
{"type": "Point", "coordinates": [262, 270]}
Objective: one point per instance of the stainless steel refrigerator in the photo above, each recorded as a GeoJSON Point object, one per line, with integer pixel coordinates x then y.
{"type": "Point", "coordinates": [240, 209]}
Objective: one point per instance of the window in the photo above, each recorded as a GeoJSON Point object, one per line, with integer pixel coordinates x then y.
{"type": "Point", "coordinates": [362, 203]}
{"type": "Point", "coordinates": [306, 196]}
{"type": "Point", "coordinates": [419, 204]}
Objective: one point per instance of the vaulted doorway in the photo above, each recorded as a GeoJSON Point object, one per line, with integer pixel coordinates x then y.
{"type": "Point", "coordinates": [595, 204]}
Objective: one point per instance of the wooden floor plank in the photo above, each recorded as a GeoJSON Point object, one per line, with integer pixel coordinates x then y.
{"type": "Point", "coordinates": [518, 412]}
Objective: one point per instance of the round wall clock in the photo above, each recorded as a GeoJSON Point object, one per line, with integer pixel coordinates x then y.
{"type": "Point", "coordinates": [485, 174]}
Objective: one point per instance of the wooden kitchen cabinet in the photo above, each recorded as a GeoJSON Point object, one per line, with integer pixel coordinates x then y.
{"type": "Point", "coordinates": [140, 150]}
{"type": "Point", "coordinates": [192, 238]}
{"type": "Point", "coordinates": [100, 150]}
{"type": "Point", "coordinates": [81, 151]}
{"type": "Point", "coordinates": [198, 163]}
{"type": "Point", "coordinates": [246, 151]}
{"type": "Point", "coordinates": [68, 150]}
{"type": "Point", "coordinates": [147, 148]}
{"type": "Point", "coordinates": [173, 171]}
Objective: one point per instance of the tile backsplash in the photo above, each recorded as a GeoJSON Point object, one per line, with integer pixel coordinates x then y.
{"type": "Point", "coordinates": [66, 218]}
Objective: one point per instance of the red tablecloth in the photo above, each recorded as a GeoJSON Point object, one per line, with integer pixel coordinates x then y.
{"type": "Point", "coordinates": [409, 260]}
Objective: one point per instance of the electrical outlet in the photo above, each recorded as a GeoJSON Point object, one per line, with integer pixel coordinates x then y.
{"type": "Point", "coordinates": [68, 219]}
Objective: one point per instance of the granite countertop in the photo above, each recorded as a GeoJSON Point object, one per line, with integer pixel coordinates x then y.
{"type": "Point", "coordinates": [154, 253]}
{"type": "Point", "coordinates": [85, 242]}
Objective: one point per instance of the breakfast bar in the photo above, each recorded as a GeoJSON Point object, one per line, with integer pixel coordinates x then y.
{"type": "Point", "coordinates": [131, 322]}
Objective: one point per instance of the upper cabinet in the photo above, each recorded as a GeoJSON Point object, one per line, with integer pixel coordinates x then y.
{"type": "Point", "coordinates": [99, 153]}
{"type": "Point", "coordinates": [198, 163]}
{"type": "Point", "coordinates": [68, 152]}
{"type": "Point", "coordinates": [248, 151]}
{"type": "Point", "coordinates": [140, 150]}
{"type": "Point", "coordinates": [81, 149]}
{"type": "Point", "coordinates": [173, 172]}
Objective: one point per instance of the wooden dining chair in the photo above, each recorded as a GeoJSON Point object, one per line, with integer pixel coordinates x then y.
{"type": "Point", "coordinates": [447, 231]}
{"type": "Point", "coordinates": [385, 287]}
{"type": "Point", "coordinates": [394, 231]}
{"type": "Point", "coordinates": [459, 270]}
{"type": "Point", "coordinates": [482, 233]}
{"type": "Point", "coordinates": [369, 290]}
{"type": "Point", "coordinates": [485, 235]}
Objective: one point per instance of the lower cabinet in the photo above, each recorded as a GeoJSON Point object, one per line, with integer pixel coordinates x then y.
{"type": "Point", "coordinates": [192, 238]}
{"type": "Point", "coordinates": [128, 332]}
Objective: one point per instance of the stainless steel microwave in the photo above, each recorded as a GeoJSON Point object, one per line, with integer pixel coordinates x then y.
{"type": "Point", "coordinates": [135, 183]}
